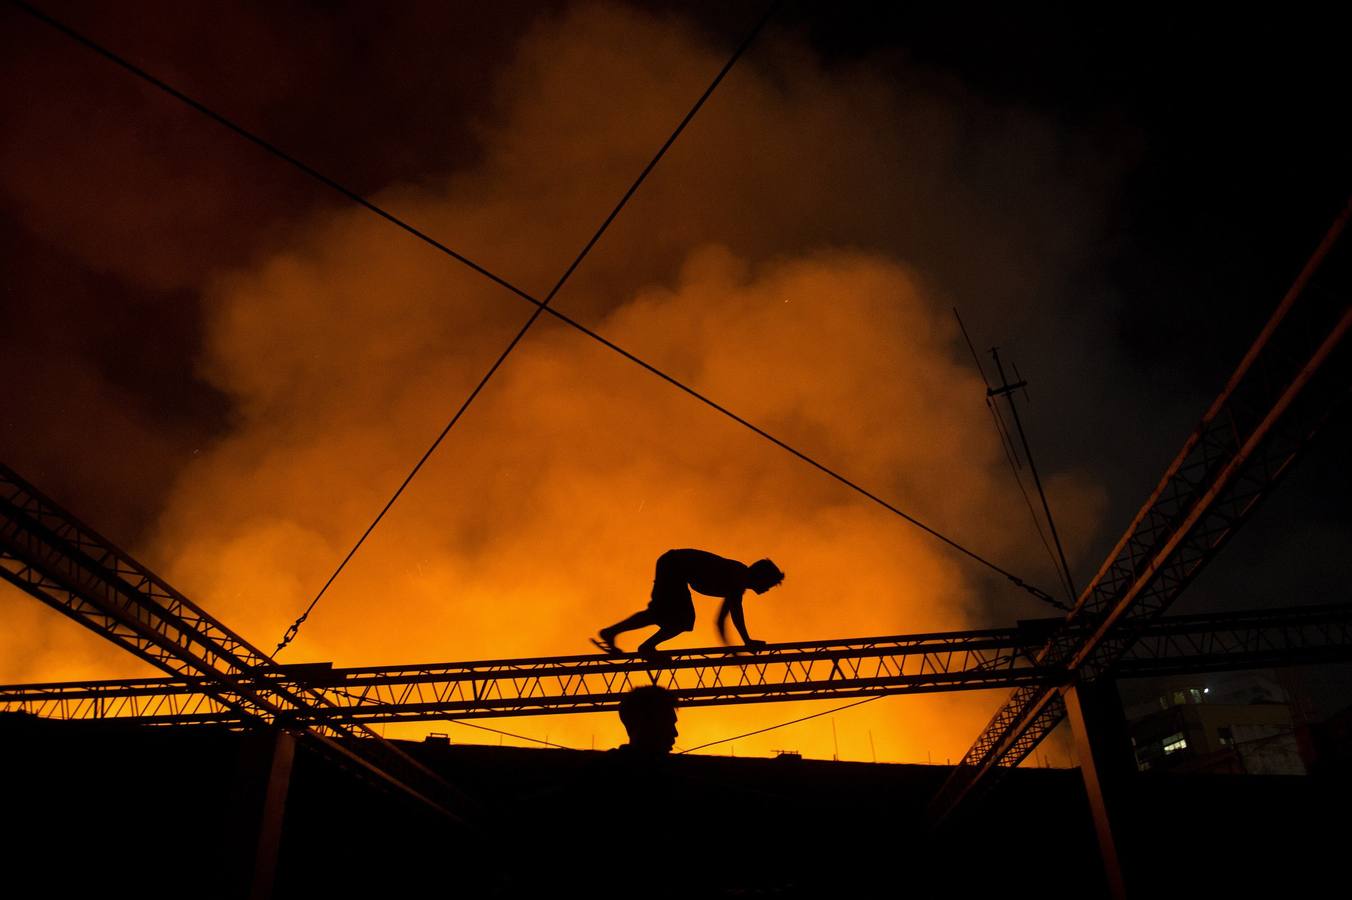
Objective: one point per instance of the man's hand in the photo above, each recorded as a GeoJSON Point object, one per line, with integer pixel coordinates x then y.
{"type": "Point", "coordinates": [754, 644]}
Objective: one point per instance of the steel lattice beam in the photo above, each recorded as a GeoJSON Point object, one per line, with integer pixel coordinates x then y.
{"type": "Point", "coordinates": [892, 665]}
{"type": "Point", "coordinates": [49, 554]}
{"type": "Point", "coordinates": [1290, 381]}
{"type": "Point", "coordinates": [1256, 639]}
{"type": "Point", "coordinates": [903, 664]}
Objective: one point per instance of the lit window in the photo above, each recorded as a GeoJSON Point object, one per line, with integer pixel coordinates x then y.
{"type": "Point", "coordinates": [1175, 742]}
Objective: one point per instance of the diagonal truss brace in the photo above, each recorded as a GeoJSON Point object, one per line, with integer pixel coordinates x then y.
{"type": "Point", "coordinates": [49, 554]}
{"type": "Point", "coordinates": [1293, 377]}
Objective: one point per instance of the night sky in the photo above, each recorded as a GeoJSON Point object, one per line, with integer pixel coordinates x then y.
{"type": "Point", "coordinates": [226, 368]}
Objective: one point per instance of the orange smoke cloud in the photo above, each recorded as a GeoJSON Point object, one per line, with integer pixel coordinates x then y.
{"type": "Point", "coordinates": [751, 267]}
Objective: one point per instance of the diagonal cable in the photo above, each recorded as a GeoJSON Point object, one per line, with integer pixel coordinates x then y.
{"type": "Point", "coordinates": [534, 317]}
{"type": "Point", "coordinates": [815, 715]}
{"type": "Point", "coordinates": [1012, 457]}
{"type": "Point", "coordinates": [511, 734]}
{"type": "Point", "coordinates": [519, 292]}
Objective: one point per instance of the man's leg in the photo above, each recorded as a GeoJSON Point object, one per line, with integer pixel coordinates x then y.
{"type": "Point", "coordinates": [665, 633]}
{"type": "Point", "coordinates": [637, 620]}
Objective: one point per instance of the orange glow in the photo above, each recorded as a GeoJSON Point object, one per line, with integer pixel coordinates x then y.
{"type": "Point", "coordinates": [540, 518]}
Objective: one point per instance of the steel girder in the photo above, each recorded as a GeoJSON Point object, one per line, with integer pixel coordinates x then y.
{"type": "Point", "coordinates": [893, 665]}
{"type": "Point", "coordinates": [969, 660]}
{"type": "Point", "coordinates": [1293, 377]}
{"type": "Point", "coordinates": [49, 554]}
{"type": "Point", "coordinates": [1256, 639]}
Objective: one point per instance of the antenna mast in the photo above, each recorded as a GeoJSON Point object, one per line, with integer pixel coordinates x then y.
{"type": "Point", "coordinates": [1007, 390]}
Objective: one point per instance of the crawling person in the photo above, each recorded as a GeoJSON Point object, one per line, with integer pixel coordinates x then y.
{"type": "Point", "coordinates": [672, 609]}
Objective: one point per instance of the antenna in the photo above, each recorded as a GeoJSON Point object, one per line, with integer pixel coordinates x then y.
{"type": "Point", "coordinates": [1007, 390]}
{"type": "Point", "coordinates": [1012, 456]}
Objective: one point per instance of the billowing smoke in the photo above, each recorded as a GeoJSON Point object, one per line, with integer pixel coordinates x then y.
{"type": "Point", "coordinates": [793, 258]}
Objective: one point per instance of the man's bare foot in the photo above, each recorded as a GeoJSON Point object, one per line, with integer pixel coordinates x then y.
{"type": "Point", "coordinates": [607, 643]}
{"type": "Point", "coordinates": [653, 654]}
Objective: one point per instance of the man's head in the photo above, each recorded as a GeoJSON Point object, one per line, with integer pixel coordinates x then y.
{"type": "Point", "coordinates": [764, 575]}
{"type": "Point", "coordinates": [649, 715]}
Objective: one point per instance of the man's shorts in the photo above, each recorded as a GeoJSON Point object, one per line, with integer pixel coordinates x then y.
{"type": "Point", "coordinates": [671, 603]}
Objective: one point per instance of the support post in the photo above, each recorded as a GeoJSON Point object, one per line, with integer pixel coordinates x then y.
{"type": "Point", "coordinates": [1107, 765]}
{"type": "Point", "coordinates": [275, 790]}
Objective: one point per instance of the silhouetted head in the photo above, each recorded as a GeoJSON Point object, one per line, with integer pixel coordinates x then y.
{"type": "Point", "coordinates": [649, 715]}
{"type": "Point", "coordinates": [764, 575]}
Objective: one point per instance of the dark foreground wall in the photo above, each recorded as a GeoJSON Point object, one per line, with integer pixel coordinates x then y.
{"type": "Point", "coordinates": [173, 813]}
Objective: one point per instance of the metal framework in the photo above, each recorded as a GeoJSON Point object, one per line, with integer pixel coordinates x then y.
{"type": "Point", "coordinates": [1286, 386]}
{"type": "Point", "coordinates": [49, 554]}
{"type": "Point", "coordinates": [965, 660]}
{"type": "Point", "coordinates": [1255, 639]}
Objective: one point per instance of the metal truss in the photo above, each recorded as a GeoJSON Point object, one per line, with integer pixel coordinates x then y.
{"type": "Point", "coordinates": [1290, 381]}
{"type": "Point", "coordinates": [967, 660]}
{"type": "Point", "coordinates": [49, 554]}
{"type": "Point", "coordinates": [1256, 639]}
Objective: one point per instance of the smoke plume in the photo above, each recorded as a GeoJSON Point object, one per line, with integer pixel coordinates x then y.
{"type": "Point", "coordinates": [793, 258]}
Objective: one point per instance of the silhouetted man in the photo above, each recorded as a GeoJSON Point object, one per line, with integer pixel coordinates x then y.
{"type": "Point", "coordinates": [579, 808]}
{"type": "Point", "coordinates": [649, 716]}
{"type": "Point", "coordinates": [672, 610]}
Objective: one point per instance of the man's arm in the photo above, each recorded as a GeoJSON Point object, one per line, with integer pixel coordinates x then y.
{"type": "Point", "coordinates": [733, 606]}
